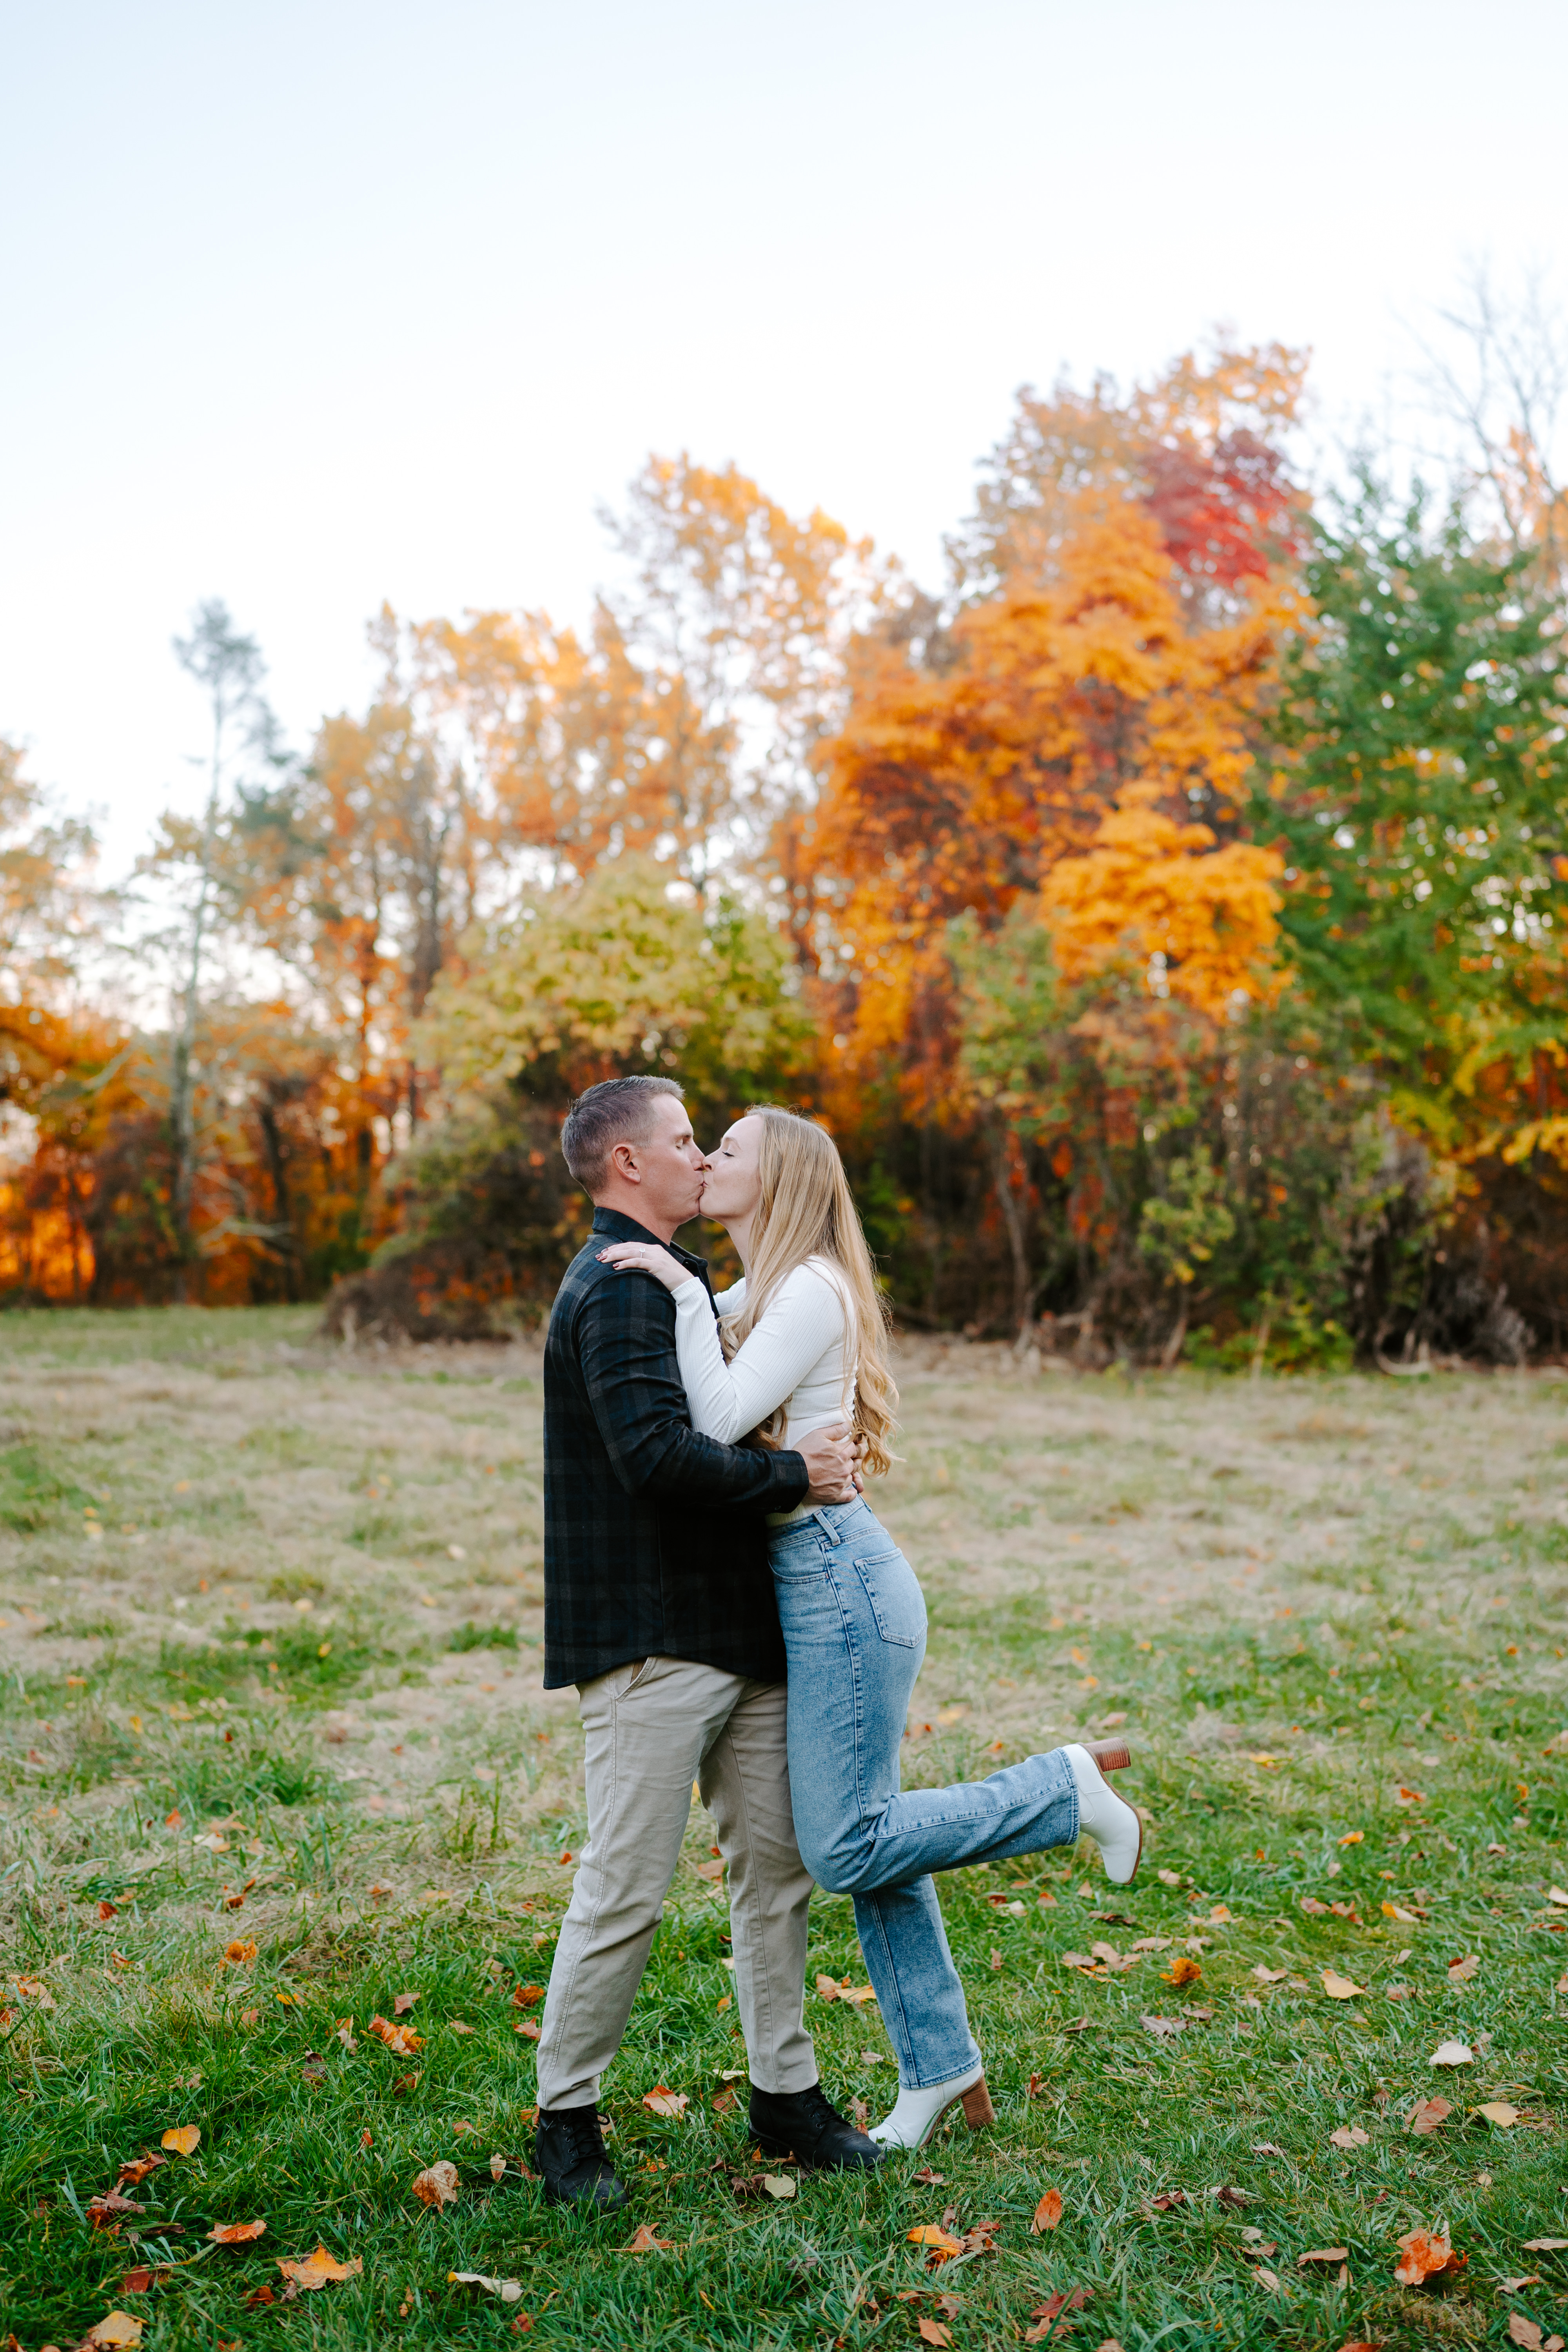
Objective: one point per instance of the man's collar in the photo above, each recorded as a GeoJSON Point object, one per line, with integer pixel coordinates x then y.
{"type": "Point", "coordinates": [619, 1227]}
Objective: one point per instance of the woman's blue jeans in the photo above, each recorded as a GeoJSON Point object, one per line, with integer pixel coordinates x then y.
{"type": "Point", "coordinates": [854, 1628]}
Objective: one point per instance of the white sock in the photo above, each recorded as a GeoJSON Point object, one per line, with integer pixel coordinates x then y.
{"type": "Point", "coordinates": [916, 2113]}
{"type": "Point", "coordinates": [1108, 1818]}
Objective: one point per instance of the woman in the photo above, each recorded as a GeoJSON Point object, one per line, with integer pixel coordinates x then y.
{"type": "Point", "coordinates": [805, 1338]}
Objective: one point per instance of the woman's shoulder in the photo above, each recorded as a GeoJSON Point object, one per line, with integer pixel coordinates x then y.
{"type": "Point", "coordinates": [811, 1278]}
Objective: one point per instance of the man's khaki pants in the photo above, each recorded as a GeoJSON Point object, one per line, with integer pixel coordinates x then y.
{"type": "Point", "coordinates": [652, 1728]}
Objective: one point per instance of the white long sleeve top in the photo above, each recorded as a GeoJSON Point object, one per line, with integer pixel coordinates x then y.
{"type": "Point", "coordinates": [798, 1356]}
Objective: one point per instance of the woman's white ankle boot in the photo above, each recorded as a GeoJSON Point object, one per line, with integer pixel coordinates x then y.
{"type": "Point", "coordinates": [1112, 1823]}
{"type": "Point", "coordinates": [918, 2112]}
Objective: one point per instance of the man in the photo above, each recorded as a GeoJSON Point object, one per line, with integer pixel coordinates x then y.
{"type": "Point", "coordinates": [659, 1605]}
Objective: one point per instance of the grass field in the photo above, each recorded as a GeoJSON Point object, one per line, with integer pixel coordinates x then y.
{"type": "Point", "coordinates": [275, 1752]}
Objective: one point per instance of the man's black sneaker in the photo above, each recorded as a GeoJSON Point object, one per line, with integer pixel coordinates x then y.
{"type": "Point", "coordinates": [569, 2149]}
{"type": "Point", "coordinates": [808, 2126]}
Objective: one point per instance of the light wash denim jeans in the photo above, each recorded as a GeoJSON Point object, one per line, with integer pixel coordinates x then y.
{"type": "Point", "coordinates": [855, 1629]}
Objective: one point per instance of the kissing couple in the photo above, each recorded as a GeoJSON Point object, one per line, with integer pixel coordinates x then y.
{"type": "Point", "coordinates": [734, 1615]}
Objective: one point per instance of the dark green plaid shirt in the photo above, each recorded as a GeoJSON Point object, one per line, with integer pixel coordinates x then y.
{"type": "Point", "coordinates": [655, 1541]}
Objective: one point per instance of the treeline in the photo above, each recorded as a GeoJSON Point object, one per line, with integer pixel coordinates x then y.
{"type": "Point", "coordinates": [1168, 919]}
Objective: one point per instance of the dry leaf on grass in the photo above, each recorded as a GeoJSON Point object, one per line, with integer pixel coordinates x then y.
{"type": "Point", "coordinates": [1460, 1971]}
{"type": "Point", "coordinates": [1453, 2054]}
{"type": "Point", "coordinates": [437, 2185]}
{"type": "Point", "coordinates": [403, 2002]}
{"type": "Point", "coordinates": [779, 2184]}
{"type": "Point", "coordinates": [183, 2138]}
{"type": "Point", "coordinates": [1265, 2148]}
{"type": "Point", "coordinates": [1349, 2135]}
{"type": "Point", "coordinates": [1269, 1976]}
{"type": "Point", "coordinates": [1181, 1970]}
{"type": "Point", "coordinates": [1339, 1987]}
{"type": "Point", "coordinates": [724, 2102]}
{"type": "Point", "coordinates": [933, 2332]}
{"type": "Point", "coordinates": [1499, 2112]}
{"type": "Point", "coordinates": [114, 2327]}
{"type": "Point", "coordinates": [663, 2101]}
{"type": "Point", "coordinates": [1429, 2113]}
{"type": "Point", "coordinates": [508, 2290]}
{"type": "Point", "coordinates": [1162, 2027]}
{"type": "Point", "coordinates": [1424, 2255]}
{"type": "Point", "coordinates": [110, 2203]}
{"type": "Point", "coordinates": [1544, 2245]}
{"type": "Point", "coordinates": [237, 1954]}
{"type": "Point", "coordinates": [235, 2233]}
{"type": "Point", "coordinates": [1323, 2254]}
{"type": "Point", "coordinates": [401, 2039]}
{"type": "Point", "coordinates": [645, 2242]}
{"type": "Point", "coordinates": [528, 2033]}
{"type": "Point", "coordinates": [1046, 2316]}
{"type": "Point", "coordinates": [1352, 1837]}
{"type": "Point", "coordinates": [525, 1996]}
{"type": "Point", "coordinates": [498, 2165]}
{"type": "Point", "coordinates": [137, 2167]}
{"type": "Point", "coordinates": [318, 2269]}
{"type": "Point", "coordinates": [1048, 2212]}
{"type": "Point", "coordinates": [1268, 2279]}
{"type": "Point", "coordinates": [455, 2025]}
{"type": "Point", "coordinates": [942, 2244]}
{"type": "Point", "coordinates": [1524, 2331]}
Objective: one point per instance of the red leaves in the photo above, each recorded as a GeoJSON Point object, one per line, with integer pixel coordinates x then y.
{"type": "Point", "coordinates": [1048, 2212]}
{"type": "Point", "coordinates": [235, 2233]}
{"type": "Point", "coordinates": [317, 2270]}
{"type": "Point", "coordinates": [525, 1996]}
{"type": "Point", "coordinates": [1427, 2115]}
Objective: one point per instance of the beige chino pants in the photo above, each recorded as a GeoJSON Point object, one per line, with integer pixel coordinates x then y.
{"type": "Point", "coordinates": [651, 1729]}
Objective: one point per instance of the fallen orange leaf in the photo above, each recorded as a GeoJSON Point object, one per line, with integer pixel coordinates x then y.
{"type": "Point", "coordinates": [1425, 2257]}
{"type": "Point", "coordinates": [1181, 1970]}
{"type": "Point", "coordinates": [1339, 1987]}
{"type": "Point", "coordinates": [236, 1953]}
{"type": "Point", "coordinates": [1349, 2135]}
{"type": "Point", "coordinates": [1499, 2112]}
{"type": "Point", "coordinates": [317, 2270]}
{"type": "Point", "coordinates": [662, 2100]}
{"type": "Point", "coordinates": [1428, 2114]}
{"type": "Point", "coordinates": [1048, 2212]}
{"type": "Point", "coordinates": [438, 2186]}
{"type": "Point", "coordinates": [1352, 1837]}
{"type": "Point", "coordinates": [403, 2002]}
{"type": "Point", "coordinates": [401, 2039]}
{"type": "Point", "coordinates": [183, 2138]}
{"type": "Point", "coordinates": [235, 2233]}
{"type": "Point", "coordinates": [942, 2243]}
{"type": "Point", "coordinates": [933, 2332]}
{"type": "Point", "coordinates": [645, 2242]}
{"type": "Point", "coordinates": [526, 1995]}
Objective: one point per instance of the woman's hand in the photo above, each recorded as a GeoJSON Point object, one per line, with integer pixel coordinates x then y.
{"type": "Point", "coordinates": [647, 1258]}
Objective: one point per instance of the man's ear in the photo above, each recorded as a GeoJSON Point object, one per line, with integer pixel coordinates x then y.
{"type": "Point", "coordinates": [624, 1160]}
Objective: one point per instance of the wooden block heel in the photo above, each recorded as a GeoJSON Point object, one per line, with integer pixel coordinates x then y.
{"type": "Point", "coordinates": [1110, 1755]}
{"type": "Point", "coordinates": [978, 2111]}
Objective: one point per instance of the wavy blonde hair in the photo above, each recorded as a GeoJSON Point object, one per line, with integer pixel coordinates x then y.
{"type": "Point", "coordinates": [805, 1210]}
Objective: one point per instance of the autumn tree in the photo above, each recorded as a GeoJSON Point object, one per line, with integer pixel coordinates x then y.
{"type": "Point", "coordinates": [629, 970]}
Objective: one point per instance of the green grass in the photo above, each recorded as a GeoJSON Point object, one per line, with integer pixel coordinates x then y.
{"type": "Point", "coordinates": [295, 1670]}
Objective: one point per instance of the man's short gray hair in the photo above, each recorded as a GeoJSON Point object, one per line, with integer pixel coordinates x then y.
{"type": "Point", "coordinates": [617, 1110]}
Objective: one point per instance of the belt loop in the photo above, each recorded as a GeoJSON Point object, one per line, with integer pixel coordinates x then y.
{"type": "Point", "coordinates": [825, 1524]}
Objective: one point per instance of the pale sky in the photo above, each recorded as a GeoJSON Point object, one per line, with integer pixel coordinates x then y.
{"type": "Point", "coordinates": [307, 307]}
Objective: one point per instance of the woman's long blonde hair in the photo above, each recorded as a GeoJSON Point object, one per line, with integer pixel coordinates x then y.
{"type": "Point", "coordinates": [805, 1210]}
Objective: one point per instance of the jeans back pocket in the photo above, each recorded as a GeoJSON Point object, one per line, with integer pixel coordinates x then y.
{"type": "Point", "coordinates": [893, 1594]}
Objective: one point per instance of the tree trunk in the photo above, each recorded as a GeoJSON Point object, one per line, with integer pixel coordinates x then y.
{"type": "Point", "coordinates": [1001, 1164]}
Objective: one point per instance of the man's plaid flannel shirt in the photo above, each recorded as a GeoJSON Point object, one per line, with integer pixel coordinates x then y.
{"type": "Point", "coordinates": [655, 1541]}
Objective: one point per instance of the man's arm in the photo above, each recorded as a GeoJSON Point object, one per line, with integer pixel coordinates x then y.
{"type": "Point", "coordinates": [624, 1331]}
